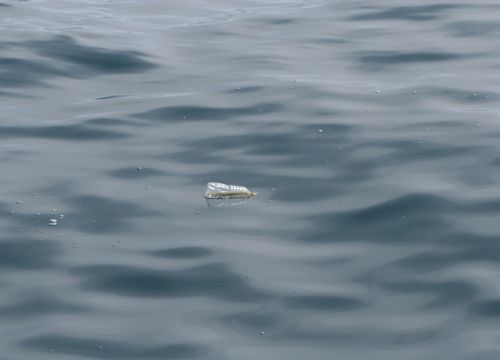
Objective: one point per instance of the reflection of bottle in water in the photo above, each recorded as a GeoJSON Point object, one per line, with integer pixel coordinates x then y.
{"type": "Point", "coordinates": [225, 202]}
{"type": "Point", "coordinates": [222, 191]}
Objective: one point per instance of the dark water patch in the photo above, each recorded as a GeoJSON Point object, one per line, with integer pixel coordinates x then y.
{"type": "Point", "coordinates": [472, 28]}
{"type": "Point", "coordinates": [379, 60]}
{"type": "Point", "coordinates": [438, 125]}
{"type": "Point", "coordinates": [197, 113]}
{"type": "Point", "coordinates": [212, 280]}
{"type": "Point", "coordinates": [406, 205]}
{"type": "Point", "coordinates": [90, 60]}
{"type": "Point", "coordinates": [332, 337]}
{"type": "Point", "coordinates": [40, 306]}
{"type": "Point", "coordinates": [185, 252]}
{"type": "Point", "coordinates": [97, 214]}
{"type": "Point", "coordinates": [405, 338]}
{"type": "Point", "coordinates": [28, 254]}
{"type": "Point", "coordinates": [323, 303]}
{"type": "Point", "coordinates": [110, 97]}
{"type": "Point", "coordinates": [410, 218]}
{"type": "Point", "coordinates": [459, 95]}
{"type": "Point", "coordinates": [454, 250]}
{"type": "Point", "coordinates": [278, 21]}
{"type": "Point", "coordinates": [4, 5]}
{"type": "Point", "coordinates": [136, 173]}
{"type": "Point", "coordinates": [307, 146]}
{"type": "Point", "coordinates": [15, 72]}
{"type": "Point", "coordinates": [110, 122]}
{"type": "Point", "coordinates": [413, 13]}
{"type": "Point", "coordinates": [486, 308]}
{"type": "Point", "coordinates": [495, 162]}
{"type": "Point", "coordinates": [16, 95]}
{"type": "Point", "coordinates": [74, 132]}
{"type": "Point", "coordinates": [102, 349]}
{"type": "Point", "coordinates": [256, 144]}
{"type": "Point", "coordinates": [443, 293]}
{"type": "Point", "coordinates": [405, 151]}
{"type": "Point", "coordinates": [329, 41]}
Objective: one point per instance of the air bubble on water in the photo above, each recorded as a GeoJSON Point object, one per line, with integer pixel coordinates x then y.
{"type": "Point", "coordinates": [273, 189]}
{"type": "Point", "coordinates": [377, 91]}
{"type": "Point", "coordinates": [53, 210]}
{"type": "Point", "coordinates": [414, 92]}
{"type": "Point", "coordinates": [34, 193]}
{"type": "Point", "coordinates": [11, 212]}
{"type": "Point", "coordinates": [52, 222]}
{"type": "Point", "coordinates": [262, 333]}
{"type": "Point", "coordinates": [427, 129]}
{"type": "Point", "coordinates": [474, 94]}
{"type": "Point", "coordinates": [18, 202]}
{"type": "Point", "coordinates": [320, 131]}
{"type": "Point", "coordinates": [139, 168]}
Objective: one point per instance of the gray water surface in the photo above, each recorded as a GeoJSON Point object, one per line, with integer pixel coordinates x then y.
{"type": "Point", "coordinates": [369, 129]}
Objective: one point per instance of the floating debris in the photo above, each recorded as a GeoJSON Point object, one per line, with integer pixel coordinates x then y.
{"type": "Point", "coordinates": [217, 190]}
{"type": "Point", "coordinates": [52, 222]}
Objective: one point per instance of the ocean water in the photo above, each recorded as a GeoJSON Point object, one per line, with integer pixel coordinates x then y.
{"type": "Point", "coordinates": [370, 130]}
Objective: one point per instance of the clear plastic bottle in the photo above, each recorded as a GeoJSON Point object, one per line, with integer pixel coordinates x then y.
{"type": "Point", "coordinates": [217, 190]}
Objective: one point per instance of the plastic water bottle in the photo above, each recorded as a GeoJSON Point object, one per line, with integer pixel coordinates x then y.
{"type": "Point", "coordinates": [217, 190]}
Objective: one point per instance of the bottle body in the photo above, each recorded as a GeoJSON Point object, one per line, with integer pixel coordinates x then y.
{"type": "Point", "coordinates": [217, 190]}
